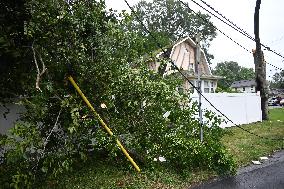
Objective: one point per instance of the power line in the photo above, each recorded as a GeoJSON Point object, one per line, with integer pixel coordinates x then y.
{"type": "Point", "coordinates": [232, 25]}
{"type": "Point", "coordinates": [183, 75]}
{"type": "Point", "coordinates": [274, 66]}
{"type": "Point", "coordinates": [248, 35]}
{"type": "Point", "coordinates": [186, 5]}
{"type": "Point", "coordinates": [243, 31]}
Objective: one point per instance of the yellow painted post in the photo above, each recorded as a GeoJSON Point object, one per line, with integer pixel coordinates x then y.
{"type": "Point", "coordinates": [103, 123]}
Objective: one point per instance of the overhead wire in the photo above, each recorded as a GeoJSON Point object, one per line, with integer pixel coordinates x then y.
{"type": "Point", "coordinates": [238, 28]}
{"type": "Point", "coordinates": [183, 75]}
{"type": "Point", "coordinates": [231, 22]}
{"type": "Point", "coordinates": [274, 66]}
{"type": "Point", "coordinates": [232, 25]}
{"type": "Point", "coordinates": [206, 21]}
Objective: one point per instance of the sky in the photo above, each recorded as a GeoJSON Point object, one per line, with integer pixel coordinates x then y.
{"type": "Point", "coordinates": [241, 12]}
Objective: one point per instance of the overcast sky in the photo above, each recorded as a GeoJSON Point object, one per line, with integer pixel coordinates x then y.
{"type": "Point", "coordinates": [241, 12]}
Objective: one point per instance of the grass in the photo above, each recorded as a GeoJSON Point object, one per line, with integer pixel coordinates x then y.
{"type": "Point", "coordinates": [276, 114]}
{"type": "Point", "coordinates": [242, 145]}
{"type": "Point", "coordinates": [103, 175]}
{"type": "Point", "coordinates": [246, 147]}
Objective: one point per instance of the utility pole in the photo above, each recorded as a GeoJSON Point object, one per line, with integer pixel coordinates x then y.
{"type": "Point", "coordinates": [260, 67]}
{"type": "Point", "coordinates": [197, 61]}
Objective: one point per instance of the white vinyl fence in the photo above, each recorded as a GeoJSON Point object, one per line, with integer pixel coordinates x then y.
{"type": "Point", "coordinates": [241, 108]}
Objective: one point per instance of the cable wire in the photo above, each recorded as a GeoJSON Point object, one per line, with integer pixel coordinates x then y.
{"type": "Point", "coordinates": [232, 25]}
{"type": "Point", "coordinates": [183, 75]}
{"type": "Point", "coordinates": [206, 21]}
{"type": "Point", "coordinates": [231, 22]}
{"type": "Point", "coordinates": [274, 66]}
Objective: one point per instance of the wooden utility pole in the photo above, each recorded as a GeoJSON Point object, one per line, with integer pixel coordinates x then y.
{"type": "Point", "coordinates": [197, 62]}
{"type": "Point", "coordinates": [260, 67]}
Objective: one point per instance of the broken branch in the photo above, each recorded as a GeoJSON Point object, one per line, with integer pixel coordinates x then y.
{"type": "Point", "coordinates": [39, 73]}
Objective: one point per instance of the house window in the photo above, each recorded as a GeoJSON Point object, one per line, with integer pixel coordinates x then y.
{"type": "Point", "coordinates": [191, 89]}
{"type": "Point", "coordinates": [206, 87]}
{"type": "Point", "coordinates": [212, 86]}
{"type": "Point", "coordinates": [206, 84]}
{"type": "Point", "coordinates": [252, 88]}
{"type": "Point", "coordinates": [244, 89]}
{"type": "Point", "coordinates": [206, 90]}
{"type": "Point", "coordinates": [196, 83]}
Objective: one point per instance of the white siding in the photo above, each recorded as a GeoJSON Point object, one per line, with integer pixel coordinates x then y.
{"type": "Point", "coordinates": [245, 89]}
{"type": "Point", "coordinates": [210, 87]}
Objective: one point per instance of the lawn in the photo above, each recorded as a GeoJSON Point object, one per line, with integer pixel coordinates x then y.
{"type": "Point", "coordinates": [276, 114]}
{"type": "Point", "coordinates": [246, 147]}
{"type": "Point", "coordinates": [242, 145]}
{"type": "Point", "coordinates": [103, 175]}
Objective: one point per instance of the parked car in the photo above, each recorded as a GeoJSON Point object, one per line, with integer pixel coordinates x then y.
{"type": "Point", "coordinates": [281, 102]}
{"type": "Point", "coordinates": [273, 101]}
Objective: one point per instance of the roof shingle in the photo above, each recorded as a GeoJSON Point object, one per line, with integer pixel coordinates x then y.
{"type": "Point", "coordinates": [243, 83]}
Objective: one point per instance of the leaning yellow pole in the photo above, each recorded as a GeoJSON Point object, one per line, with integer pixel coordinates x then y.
{"type": "Point", "coordinates": [103, 123]}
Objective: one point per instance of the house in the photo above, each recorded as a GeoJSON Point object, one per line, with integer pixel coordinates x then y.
{"type": "Point", "coordinates": [276, 92]}
{"type": "Point", "coordinates": [245, 86]}
{"type": "Point", "coordinates": [183, 55]}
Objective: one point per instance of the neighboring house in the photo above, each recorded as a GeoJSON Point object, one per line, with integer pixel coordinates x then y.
{"type": "Point", "coordinates": [276, 92]}
{"type": "Point", "coordinates": [183, 54]}
{"type": "Point", "coordinates": [245, 86]}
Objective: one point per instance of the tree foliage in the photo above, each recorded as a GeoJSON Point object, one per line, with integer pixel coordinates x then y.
{"type": "Point", "coordinates": [170, 21]}
{"type": "Point", "coordinates": [57, 130]}
{"type": "Point", "coordinates": [231, 71]}
{"type": "Point", "coordinates": [15, 62]}
{"type": "Point", "coordinates": [278, 80]}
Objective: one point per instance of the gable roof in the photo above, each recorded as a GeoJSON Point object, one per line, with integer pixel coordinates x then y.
{"type": "Point", "coordinates": [173, 52]}
{"type": "Point", "coordinates": [243, 83]}
{"type": "Point", "coordinates": [203, 60]}
{"type": "Point", "coordinates": [188, 40]}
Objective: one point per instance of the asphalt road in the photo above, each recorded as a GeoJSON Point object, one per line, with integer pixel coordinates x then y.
{"type": "Point", "coordinates": [269, 175]}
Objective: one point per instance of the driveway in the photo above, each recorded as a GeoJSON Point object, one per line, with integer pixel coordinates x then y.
{"type": "Point", "coordinates": [268, 175]}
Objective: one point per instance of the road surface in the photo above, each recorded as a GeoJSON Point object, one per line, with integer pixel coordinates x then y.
{"type": "Point", "coordinates": [268, 175]}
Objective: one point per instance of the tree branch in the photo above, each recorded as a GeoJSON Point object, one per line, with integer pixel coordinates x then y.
{"type": "Point", "coordinates": [39, 73]}
{"type": "Point", "coordinates": [48, 136]}
{"type": "Point", "coordinates": [47, 139]}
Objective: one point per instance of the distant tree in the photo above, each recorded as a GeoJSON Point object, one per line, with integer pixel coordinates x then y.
{"type": "Point", "coordinates": [231, 72]}
{"type": "Point", "coordinates": [170, 21]}
{"type": "Point", "coordinates": [278, 80]}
